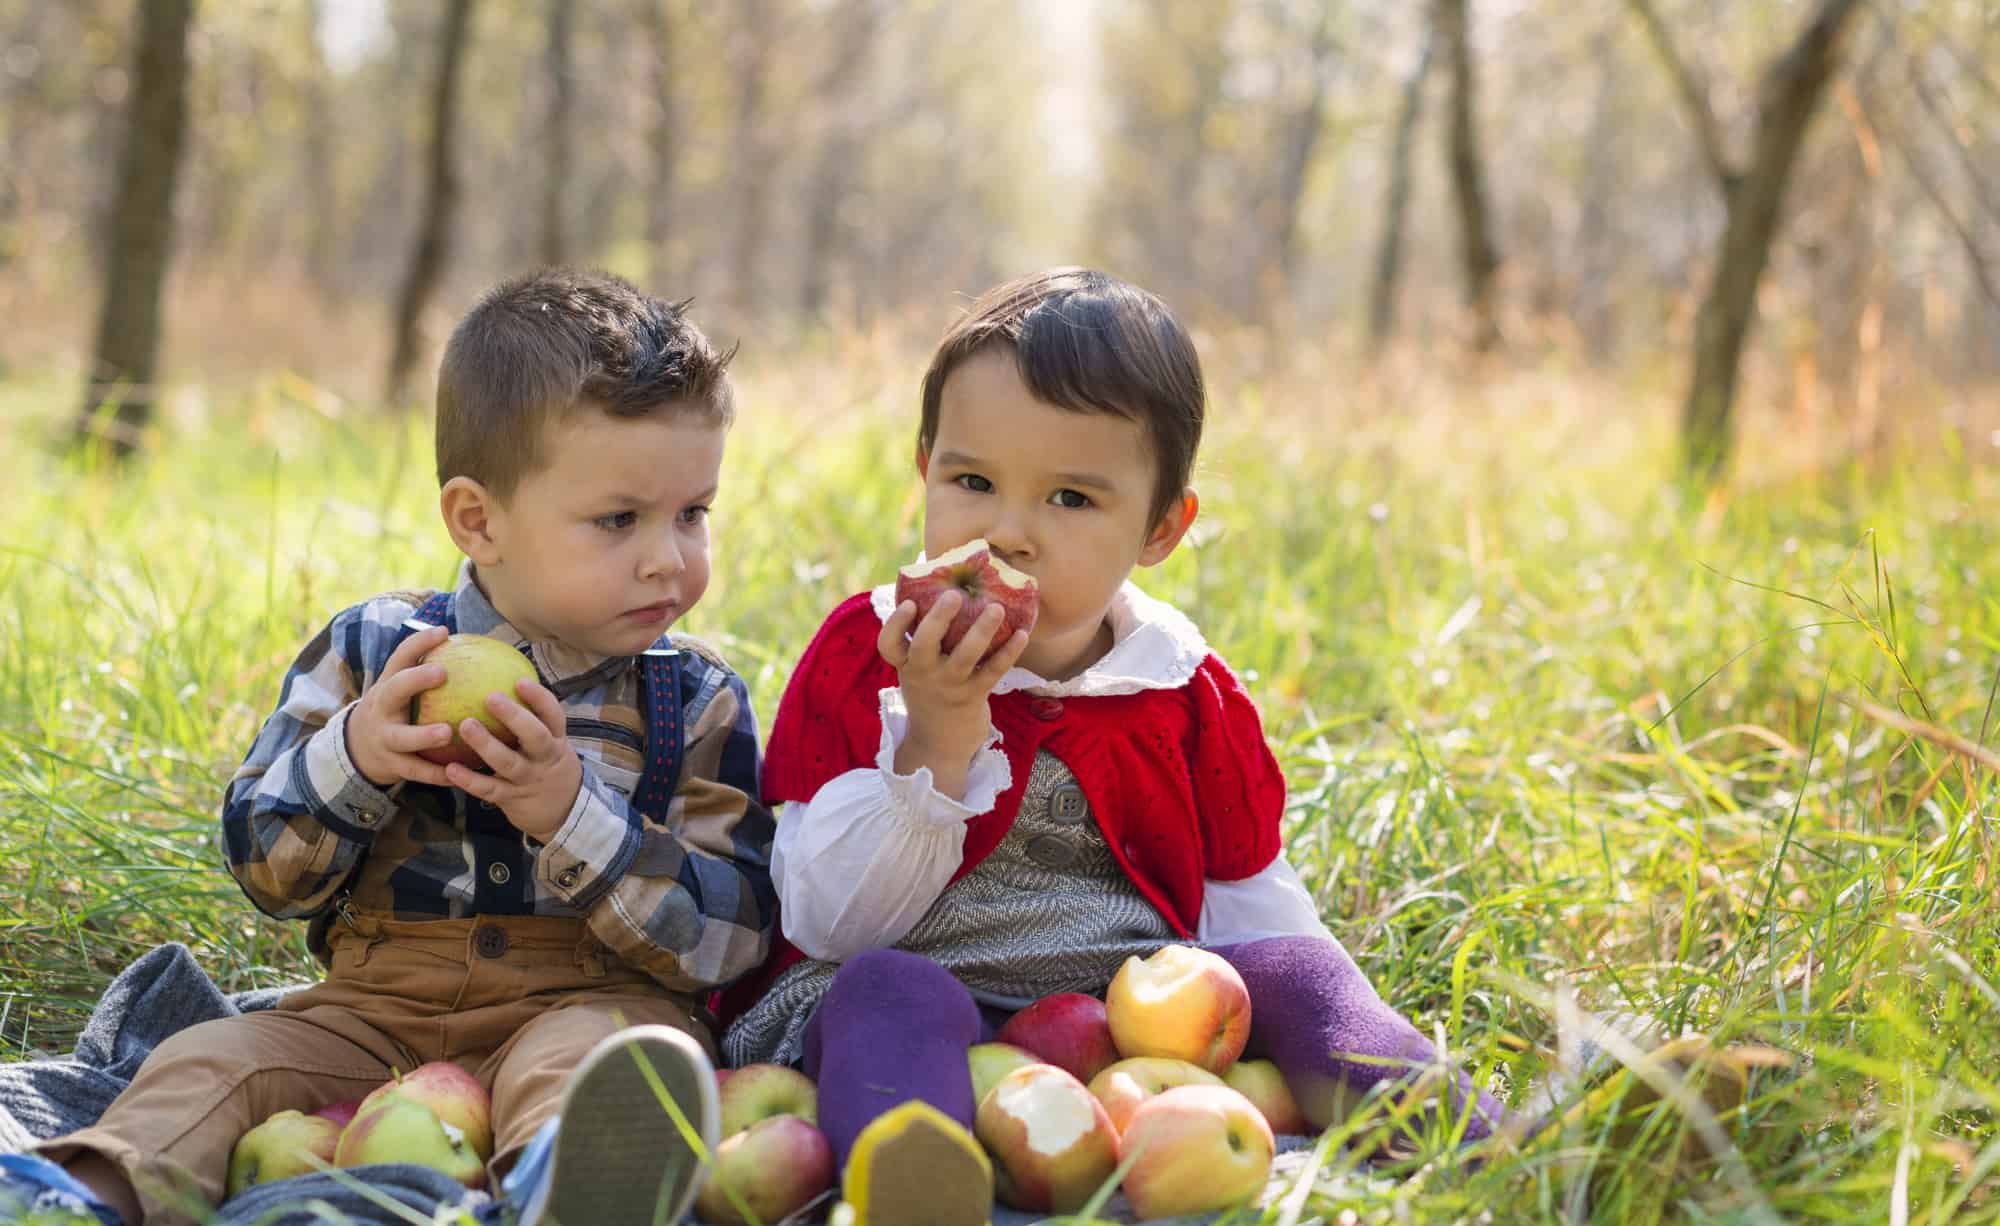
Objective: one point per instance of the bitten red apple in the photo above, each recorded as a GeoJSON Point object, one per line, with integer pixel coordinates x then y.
{"type": "Point", "coordinates": [474, 666]}
{"type": "Point", "coordinates": [983, 578]}
{"type": "Point", "coordinates": [1262, 1083]}
{"type": "Point", "coordinates": [284, 1145]}
{"type": "Point", "coordinates": [452, 1094]}
{"type": "Point", "coordinates": [1182, 1002]}
{"type": "Point", "coordinates": [759, 1091]}
{"type": "Point", "coordinates": [1199, 1149]}
{"type": "Point", "coordinates": [1126, 1084]}
{"type": "Point", "coordinates": [1051, 1142]}
{"type": "Point", "coordinates": [1068, 1030]}
{"type": "Point", "coordinates": [775, 1167]}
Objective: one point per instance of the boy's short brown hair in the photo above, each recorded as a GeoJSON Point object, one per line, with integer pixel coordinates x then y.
{"type": "Point", "coordinates": [541, 347]}
{"type": "Point", "coordinates": [1086, 341]}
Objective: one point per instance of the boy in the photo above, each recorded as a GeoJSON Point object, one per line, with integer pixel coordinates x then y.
{"type": "Point", "coordinates": [609, 870]}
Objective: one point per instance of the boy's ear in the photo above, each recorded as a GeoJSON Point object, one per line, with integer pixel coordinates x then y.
{"type": "Point", "coordinates": [1167, 534]}
{"type": "Point", "coordinates": [468, 507]}
{"type": "Point", "coordinates": [923, 461]}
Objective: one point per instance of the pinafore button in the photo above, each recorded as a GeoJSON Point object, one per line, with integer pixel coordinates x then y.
{"type": "Point", "coordinates": [1066, 804]}
{"type": "Point", "coordinates": [1051, 852]}
{"type": "Point", "coordinates": [490, 940]}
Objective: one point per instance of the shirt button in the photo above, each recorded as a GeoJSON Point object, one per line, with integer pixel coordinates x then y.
{"type": "Point", "coordinates": [490, 940]}
{"type": "Point", "coordinates": [1046, 709]}
{"type": "Point", "coordinates": [498, 873]}
{"type": "Point", "coordinates": [566, 878]}
{"type": "Point", "coordinates": [368, 817]}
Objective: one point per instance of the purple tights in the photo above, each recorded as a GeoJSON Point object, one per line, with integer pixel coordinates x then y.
{"type": "Point", "coordinates": [895, 1026]}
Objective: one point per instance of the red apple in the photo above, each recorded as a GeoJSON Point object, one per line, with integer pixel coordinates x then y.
{"type": "Point", "coordinates": [474, 666]}
{"type": "Point", "coordinates": [1182, 1002]}
{"type": "Point", "coordinates": [1199, 1149]}
{"type": "Point", "coordinates": [1126, 1084]}
{"type": "Point", "coordinates": [983, 578]}
{"type": "Point", "coordinates": [1051, 1142]}
{"type": "Point", "coordinates": [287, 1144]}
{"type": "Point", "coordinates": [759, 1091]}
{"type": "Point", "coordinates": [340, 1112]}
{"type": "Point", "coordinates": [452, 1094]}
{"type": "Point", "coordinates": [775, 1167]}
{"type": "Point", "coordinates": [393, 1127]}
{"type": "Point", "coordinates": [1262, 1083]}
{"type": "Point", "coordinates": [1067, 1030]}
{"type": "Point", "coordinates": [990, 1062]}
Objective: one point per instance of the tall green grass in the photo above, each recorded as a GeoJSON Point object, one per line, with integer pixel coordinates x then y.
{"type": "Point", "coordinates": [1561, 736]}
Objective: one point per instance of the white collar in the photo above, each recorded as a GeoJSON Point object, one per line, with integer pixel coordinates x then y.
{"type": "Point", "coordinates": [1153, 647]}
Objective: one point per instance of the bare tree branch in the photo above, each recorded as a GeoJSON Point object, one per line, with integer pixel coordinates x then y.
{"type": "Point", "coordinates": [1982, 270]}
{"type": "Point", "coordinates": [1694, 97]}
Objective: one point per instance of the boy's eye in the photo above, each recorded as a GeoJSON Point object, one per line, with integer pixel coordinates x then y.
{"type": "Point", "coordinates": [974, 482]}
{"type": "Point", "coordinates": [1070, 498]}
{"type": "Point", "coordinates": [617, 521]}
{"type": "Point", "coordinates": [694, 515]}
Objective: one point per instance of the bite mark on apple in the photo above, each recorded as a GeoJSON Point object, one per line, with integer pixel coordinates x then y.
{"type": "Point", "coordinates": [1054, 1121]}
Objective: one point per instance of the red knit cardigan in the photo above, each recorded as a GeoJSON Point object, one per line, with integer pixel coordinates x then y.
{"type": "Point", "coordinates": [1180, 781]}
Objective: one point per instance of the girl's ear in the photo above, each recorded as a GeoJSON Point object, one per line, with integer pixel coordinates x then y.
{"type": "Point", "coordinates": [1167, 534]}
{"type": "Point", "coordinates": [468, 508]}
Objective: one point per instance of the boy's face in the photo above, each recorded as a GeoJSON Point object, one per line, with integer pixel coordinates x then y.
{"type": "Point", "coordinates": [1066, 497]}
{"type": "Point", "coordinates": [605, 545]}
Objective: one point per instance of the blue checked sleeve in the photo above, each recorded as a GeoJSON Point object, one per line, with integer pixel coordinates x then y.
{"type": "Point", "coordinates": [298, 816]}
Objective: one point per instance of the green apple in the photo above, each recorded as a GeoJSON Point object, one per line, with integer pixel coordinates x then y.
{"type": "Point", "coordinates": [474, 666]}
{"type": "Point", "coordinates": [990, 1062]}
{"type": "Point", "coordinates": [394, 1127]}
{"type": "Point", "coordinates": [759, 1091]}
{"type": "Point", "coordinates": [282, 1146]}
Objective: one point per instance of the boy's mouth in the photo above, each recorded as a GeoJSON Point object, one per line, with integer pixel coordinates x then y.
{"type": "Point", "coordinates": [652, 613]}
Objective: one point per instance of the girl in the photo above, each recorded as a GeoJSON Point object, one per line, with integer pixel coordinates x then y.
{"type": "Point", "coordinates": [966, 832]}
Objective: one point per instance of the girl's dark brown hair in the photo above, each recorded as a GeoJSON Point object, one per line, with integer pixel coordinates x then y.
{"type": "Point", "coordinates": [1086, 341]}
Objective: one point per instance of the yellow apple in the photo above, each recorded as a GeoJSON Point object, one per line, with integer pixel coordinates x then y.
{"type": "Point", "coordinates": [1126, 1084]}
{"type": "Point", "coordinates": [1195, 1149]}
{"type": "Point", "coordinates": [287, 1144]}
{"type": "Point", "coordinates": [1183, 1003]}
{"type": "Point", "coordinates": [1262, 1083]}
{"type": "Point", "coordinates": [1051, 1142]}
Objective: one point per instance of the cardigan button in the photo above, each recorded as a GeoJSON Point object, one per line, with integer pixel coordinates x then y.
{"type": "Point", "coordinates": [1048, 710]}
{"type": "Point", "coordinates": [1066, 804]}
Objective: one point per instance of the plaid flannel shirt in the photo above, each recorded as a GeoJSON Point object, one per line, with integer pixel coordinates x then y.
{"type": "Point", "coordinates": [684, 895]}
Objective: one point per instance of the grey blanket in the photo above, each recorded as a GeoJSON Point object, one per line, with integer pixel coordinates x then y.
{"type": "Point", "coordinates": [166, 990]}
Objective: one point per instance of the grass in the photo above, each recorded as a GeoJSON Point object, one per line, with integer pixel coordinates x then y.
{"type": "Point", "coordinates": [1560, 736]}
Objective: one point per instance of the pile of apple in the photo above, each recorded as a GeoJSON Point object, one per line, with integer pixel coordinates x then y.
{"type": "Point", "coordinates": [437, 1115]}
{"type": "Point", "coordinates": [1072, 1086]}
{"type": "Point", "coordinates": [773, 1159]}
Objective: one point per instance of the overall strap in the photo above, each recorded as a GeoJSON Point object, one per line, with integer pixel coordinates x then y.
{"type": "Point", "coordinates": [435, 611]}
{"type": "Point", "coordinates": [660, 714]}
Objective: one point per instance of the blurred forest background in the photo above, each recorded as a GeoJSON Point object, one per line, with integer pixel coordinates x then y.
{"type": "Point", "coordinates": [225, 189]}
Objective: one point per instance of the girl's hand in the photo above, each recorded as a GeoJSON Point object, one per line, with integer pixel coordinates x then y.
{"type": "Point", "coordinates": [946, 693]}
{"type": "Point", "coordinates": [536, 781]}
{"type": "Point", "coordinates": [381, 740]}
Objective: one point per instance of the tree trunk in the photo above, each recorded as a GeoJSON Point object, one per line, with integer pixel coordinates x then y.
{"type": "Point", "coordinates": [1786, 100]}
{"type": "Point", "coordinates": [1592, 253]}
{"type": "Point", "coordinates": [427, 257]}
{"type": "Point", "coordinates": [665, 142]}
{"type": "Point", "coordinates": [1396, 202]}
{"type": "Point", "coordinates": [1302, 136]}
{"type": "Point", "coordinates": [555, 136]}
{"type": "Point", "coordinates": [839, 98]}
{"type": "Point", "coordinates": [1479, 257]}
{"type": "Point", "coordinates": [316, 148]}
{"type": "Point", "coordinates": [142, 230]}
{"type": "Point", "coordinates": [752, 188]}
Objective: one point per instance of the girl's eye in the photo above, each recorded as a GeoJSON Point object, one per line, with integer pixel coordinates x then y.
{"type": "Point", "coordinates": [976, 483]}
{"type": "Point", "coordinates": [694, 515]}
{"type": "Point", "coordinates": [1071, 499]}
{"type": "Point", "coordinates": [617, 521]}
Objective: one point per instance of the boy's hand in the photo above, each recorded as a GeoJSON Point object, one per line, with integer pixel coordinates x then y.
{"type": "Point", "coordinates": [380, 737]}
{"type": "Point", "coordinates": [534, 783]}
{"type": "Point", "coordinates": [946, 692]}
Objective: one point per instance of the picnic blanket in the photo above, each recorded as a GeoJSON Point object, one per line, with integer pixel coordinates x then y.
{"type": "Point", "coordinates": [166, 990]}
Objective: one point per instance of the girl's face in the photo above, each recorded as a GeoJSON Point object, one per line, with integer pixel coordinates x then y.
{"type": "Point", "coordinates": [1064, 496]}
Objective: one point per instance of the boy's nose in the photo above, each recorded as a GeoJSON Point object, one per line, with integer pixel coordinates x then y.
{"type": "Point", "coordinates": [664, 558]}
